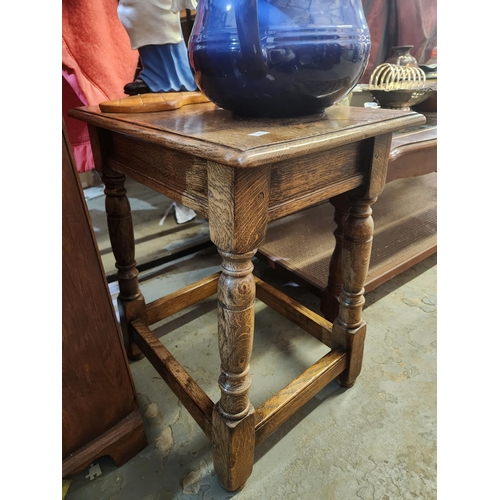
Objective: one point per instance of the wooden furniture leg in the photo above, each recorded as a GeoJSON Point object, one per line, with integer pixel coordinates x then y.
{"type": "Point", "coordinates": [131, 303]}
{"type": "Point", "coordinates": [349, 329]}
{"type": "Point", "coordinates": [238, 203]}
{"type": "Point", "coordinates": [233, 417]}
{"type": "Point", "coordinates": [330, 295]}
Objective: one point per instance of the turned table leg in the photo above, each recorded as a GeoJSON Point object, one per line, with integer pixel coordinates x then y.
{"type": "Point", "coordinates": [131, 303]}
{"type": "Point", "coordinates": [330, 295]}
{"type": "Point", "coordinates": [234, 417]}
{"type": "Point", "coordinates": [238, 201]}
{"type": "Point", "coordinates": [349, 329]}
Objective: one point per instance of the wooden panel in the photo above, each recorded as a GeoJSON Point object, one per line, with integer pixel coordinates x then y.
{"type": "Point", "coordinates": [119, 442]}
{"type": "Point", "coordinates": [413, 160]}
{"type": "Point", "coordinates": [411, 137]}
{"type": "Point", "coordinates": [97, 387]}
{"type": "Point", "coordinates": [178, 176]}
{"type": "Point", "coordinates": [304, 181]}
{"type": "Point", "coordinates": [414, 150]}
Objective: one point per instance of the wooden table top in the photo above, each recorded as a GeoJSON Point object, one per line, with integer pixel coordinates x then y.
{"type": "Point", "coordinates": [212, 133]}
{"type": "Point", "coordinates": [417, 133]}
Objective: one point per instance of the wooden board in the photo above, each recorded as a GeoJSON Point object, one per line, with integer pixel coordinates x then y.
{"type": "Point", "coordinates": [100, 412]}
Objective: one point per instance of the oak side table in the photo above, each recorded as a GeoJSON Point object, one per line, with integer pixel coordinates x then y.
{"type": "Point", "coordinates": [242, 174]}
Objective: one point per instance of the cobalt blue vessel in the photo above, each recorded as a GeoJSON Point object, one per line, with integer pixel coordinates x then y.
{"type": "Point", "coordinates": [278, 58]}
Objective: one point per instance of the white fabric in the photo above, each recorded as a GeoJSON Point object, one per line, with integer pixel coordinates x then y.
{"type": "Point", "coordinates": [182, 213]}
{"type": "Point", "coordinates": [150, 22]}
{"type": "Point", "coordinates": [178, 5]}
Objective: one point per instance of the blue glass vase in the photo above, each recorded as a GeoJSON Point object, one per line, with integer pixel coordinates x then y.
{"type": "Point", "coordinates": [278, 58]}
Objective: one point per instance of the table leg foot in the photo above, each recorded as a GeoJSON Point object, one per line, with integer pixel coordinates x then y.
{"type": "Point", "coordinates": [234, 443]}
{"type": "Point", "coordinates": [353, 340]}
{"type": "Point", "coordinates": [345, 385]}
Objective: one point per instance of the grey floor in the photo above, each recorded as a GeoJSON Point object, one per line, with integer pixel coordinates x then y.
{"type": "Point", "coordinates": [375, 441]}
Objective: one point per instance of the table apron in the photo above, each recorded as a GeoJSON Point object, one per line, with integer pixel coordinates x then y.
{"type": "Point", "coordinates": [294, 184]}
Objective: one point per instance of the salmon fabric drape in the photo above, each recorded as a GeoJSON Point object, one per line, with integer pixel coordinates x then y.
{"type": "Point", "coordinates": [97, 61]}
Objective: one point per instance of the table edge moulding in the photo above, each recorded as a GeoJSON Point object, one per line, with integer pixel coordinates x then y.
{"type": "Point", "coordinates": [178, 131]}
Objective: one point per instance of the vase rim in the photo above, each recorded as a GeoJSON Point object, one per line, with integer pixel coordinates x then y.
{"type": "Point", "coordinates": [402, 47]}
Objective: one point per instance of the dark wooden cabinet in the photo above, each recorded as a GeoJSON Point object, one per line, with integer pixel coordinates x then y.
{"type": "Point", "coordinates": [100, 411]}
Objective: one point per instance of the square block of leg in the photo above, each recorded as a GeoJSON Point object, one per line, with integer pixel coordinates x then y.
{"type": "Point", "coordinates": [354, 341]}
{"type": "Point", "coordinates": [130, 311]}
{"type": "Point", "coordinates": [234, 444]}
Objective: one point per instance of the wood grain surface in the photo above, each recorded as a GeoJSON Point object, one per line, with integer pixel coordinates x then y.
{"type": "Point", "coordinates": [97, 387]}
{"type": "Point", "coordinates": [212, 133]}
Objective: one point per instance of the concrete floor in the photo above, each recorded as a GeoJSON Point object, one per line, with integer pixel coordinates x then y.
{"type": "Point", "coordinates": [375, 441]}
